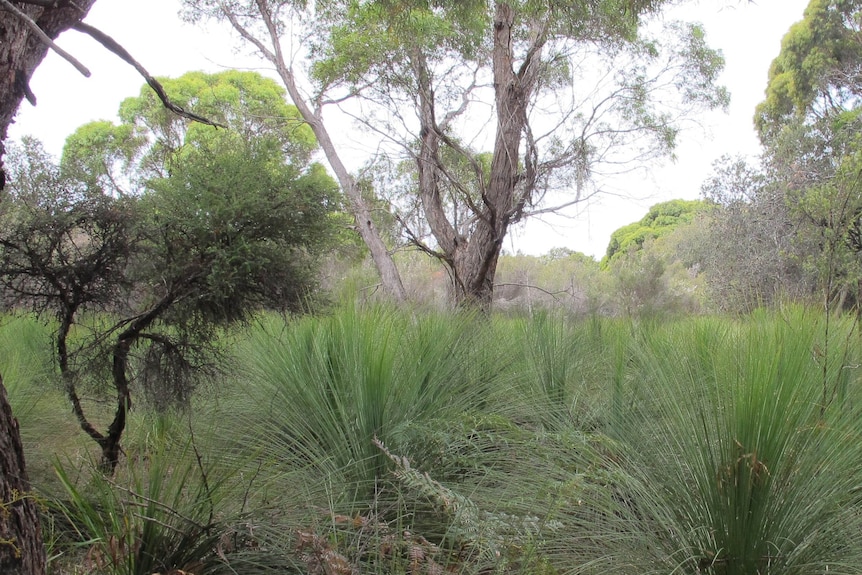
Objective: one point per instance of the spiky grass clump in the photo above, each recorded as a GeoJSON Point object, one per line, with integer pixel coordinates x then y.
{"type": "Point", "coordinates": [25, 363]}
{"type": "Point", "coordinates": [167, 511]}
{"type": "Point", "coordinates": [737, 465]}
{"type": "Point", "coordinates": [485, 461]}
{"type": "Point", "coordinates": [554, 386]}
{"type": "Point", "coordinates": [332, 384]}
{"type": "Point", "coordinates": [36, 396]}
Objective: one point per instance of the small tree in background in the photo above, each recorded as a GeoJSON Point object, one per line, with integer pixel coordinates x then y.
{"type": "Point", "coordinates": [647, 265]}
{"type": "Point", "coordinates": [661, 220]}
{"type": "Point", "coordinates": [747, 251]}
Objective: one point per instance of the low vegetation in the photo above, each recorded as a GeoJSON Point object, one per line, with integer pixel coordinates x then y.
{"type": "Point", "coordinates": [511, 414]}
{"type": "Point", "coordinates": [373, 440]}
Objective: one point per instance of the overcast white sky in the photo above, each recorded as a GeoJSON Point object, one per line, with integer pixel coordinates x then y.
{"type": "Point", "coordinates": [749, 34]}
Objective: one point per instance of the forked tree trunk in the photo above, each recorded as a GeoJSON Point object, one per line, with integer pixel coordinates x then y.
{"type": "Point", "coordinates": [472, 260]}
{"type": "Point", "coordinates": [21, 51]}
{"type": "Point", "coordinates": [21, 549]}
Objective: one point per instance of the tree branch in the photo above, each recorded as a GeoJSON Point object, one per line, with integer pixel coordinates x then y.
{"type": "Point", "coordinates": [47, 3]}
{"type": "Point", "coordinates": [248, 36]}
{"type": "Point", "coordinates": [44, 37]}
{"type": "Point", "coordinates": [114, 47]}
{"type": "Point", "coordinates": [553, 294]}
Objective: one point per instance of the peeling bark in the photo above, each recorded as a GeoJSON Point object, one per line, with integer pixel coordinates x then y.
{"type": "Point", "coordinates": [21, 548]}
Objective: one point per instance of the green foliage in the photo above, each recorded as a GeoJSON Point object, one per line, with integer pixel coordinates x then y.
{"type": "Point", "coordinates": [605, 446]}
{"type": "Point", "coordinates": [334, 384]}
{"type": "Point", "coordinates": [166, 512]}
{"type": "Point", "coordinates": [238, 228]}
{"type": "Point", "coordinates": [380, 36]}
{"type": "Point", "coordinates": [220, 225]}
{"type": "Point", "coordinates": [63, 245]}
{"type": "Point", "coordinates": [101, 154]}
{"type": "Point", "coordinates": [649, 263]}
{"type": "Point", "coordinates": [252, 106]}
{"type": "Point", "coordinates": [809, 125]}
{"type": "Point", "coordinates": [826, 201]}
{"type": "Point", "coordinates": [648, 282]}
{"type": "Point", "coordinates": [558, 387]}
{"type": "Point", "coordinates": [660, 220]}
{"type": "Point", "coordinates": [25, 364]}
{"type": "Point", "coordinates": [372, 36]}
{"type": "Point", "coordinates": [151, 141]}
{"type": "Point", "coordinates": [816, 68]}
{"type": "Point", "coordinates": [749, 246]}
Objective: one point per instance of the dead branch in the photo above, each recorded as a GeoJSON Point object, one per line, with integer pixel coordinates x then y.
{"type": "Point", "coordinates": [117, 49]}
{"type": "Point", "coordinates": [44, 37]}
{"type": "Point", "coordinates": [553, 294]}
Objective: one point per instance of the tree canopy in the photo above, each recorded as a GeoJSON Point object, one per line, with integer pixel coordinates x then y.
{"type": "Point", "coordinates": [574, 88]}
{"type": "Point", "coordinates": [819, 67]}
{"type": "Point", "coordinates": [809, 124]}
{"type": "Point", "coordinates": [660, 220]}
{"type": "Point", "coordinates": [174, 231]}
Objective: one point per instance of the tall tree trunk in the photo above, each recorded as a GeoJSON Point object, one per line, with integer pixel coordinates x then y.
{"type": "Point", "coordinates": [390, 278]}
{"type": "Point", "coordinates": [21, 549]}
{"type": "Point", "coordinates": [478, 263]}
{"type": "Point", "coordinates": [21, 51]}
{"type": "Point", "coordinates": [472, 260]}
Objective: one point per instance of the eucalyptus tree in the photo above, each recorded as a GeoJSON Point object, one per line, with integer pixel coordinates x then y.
{"type": "Point", "coordinates": [556, 92]}
{"type": "Point", "coordinates": [809, 124]}
{"type": "Point", "coordinates": [202, 228]}
{"type": "Point", "coordinates": [818, 72]}
{"type": "Point", "coordinates": [660, 220]}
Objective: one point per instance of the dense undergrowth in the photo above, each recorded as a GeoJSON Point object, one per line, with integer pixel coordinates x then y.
{"type": "Point", "coordinates": [380, 441]}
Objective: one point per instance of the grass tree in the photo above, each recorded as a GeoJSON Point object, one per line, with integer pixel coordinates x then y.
{"type": "Point", "coordinates": [737, 465]}
{"type": "Point", "coordinates": [334, 384]}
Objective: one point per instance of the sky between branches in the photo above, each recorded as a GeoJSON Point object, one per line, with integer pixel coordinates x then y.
{"type": "Point", "coordinates": [748, 33]}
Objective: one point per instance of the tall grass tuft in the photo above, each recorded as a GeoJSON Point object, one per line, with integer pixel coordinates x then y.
{"type": "Point", "coordinates": [331, 385]}
{"type": "Point", "coordinates": [168, 510]}
{"type": "Point", "coordinates": [557, 381]}
{"type": "Point", "coordinates": [736, 465]}
{"type": "Point", "coordinates": [26, 362]}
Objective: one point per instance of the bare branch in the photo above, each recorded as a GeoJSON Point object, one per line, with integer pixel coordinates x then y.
{"type": "Point", "coordinates": [465, 101]}
{"type": "Point", "coordinates": [553, 294]}
{"type": "Point", "coordinates": [248, 36]}
{"type": "Point", "coordinates": [44, 37]}
{"type": "Point", "coordinates": [114, 47]}
{"type": "Point", "coordinates": [417, 242]}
